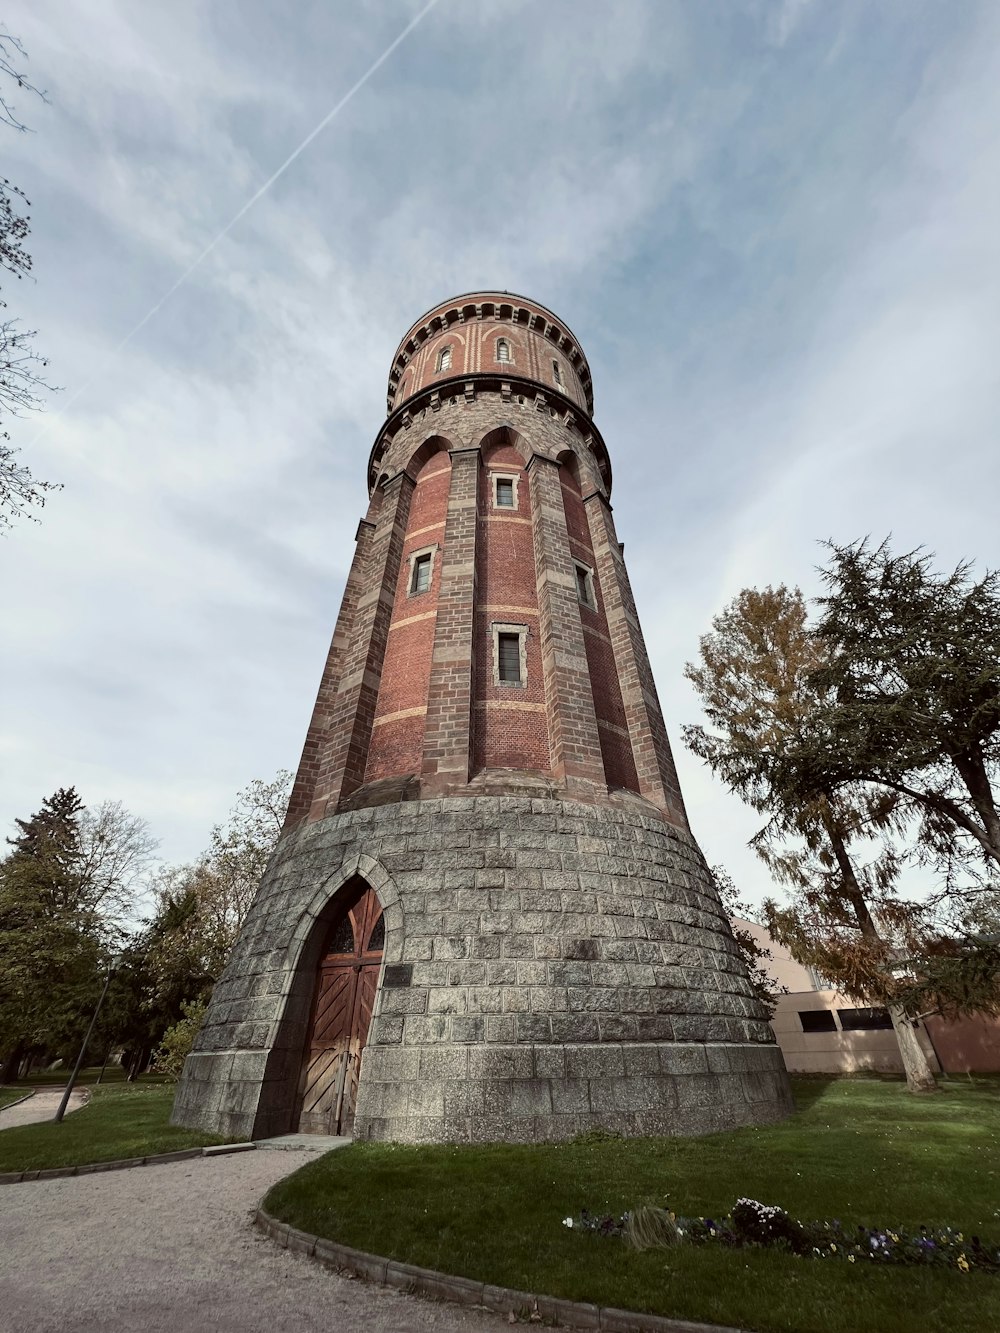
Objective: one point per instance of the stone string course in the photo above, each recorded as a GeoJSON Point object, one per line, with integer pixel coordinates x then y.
{"type": "Point", "coordinates": [569, 968]}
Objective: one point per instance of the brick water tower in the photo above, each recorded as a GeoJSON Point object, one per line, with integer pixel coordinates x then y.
{"type": "Point", "coordinates": [486, 918]}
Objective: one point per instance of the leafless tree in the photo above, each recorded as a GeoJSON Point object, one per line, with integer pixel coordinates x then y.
{"type": "Point", "coordinates": [22, 384]}
{"type": "Point", "coordinates": [116, 850]}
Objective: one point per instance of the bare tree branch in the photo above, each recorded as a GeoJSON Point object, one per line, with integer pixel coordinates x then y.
{"type": "Point", "coordinates": [12, 53]}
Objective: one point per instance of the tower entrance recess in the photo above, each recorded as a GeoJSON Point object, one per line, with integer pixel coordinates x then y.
{"type": "Point", "coordinates": [346, 983]}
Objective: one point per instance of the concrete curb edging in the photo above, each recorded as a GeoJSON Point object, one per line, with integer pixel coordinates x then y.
{"type": "Point", "coordinates": [158, 1159]}
{"type": "Point", "coordinates": [10, 1105]}
{"type": "Point", "coordinates": [465, 1291]}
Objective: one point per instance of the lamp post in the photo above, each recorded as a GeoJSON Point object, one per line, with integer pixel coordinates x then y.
{"type": "Point", "coordinates": [83, 1049]}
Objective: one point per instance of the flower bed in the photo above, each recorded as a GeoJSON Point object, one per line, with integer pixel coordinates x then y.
{"type": "Point", "coordinates": [766, 1226]}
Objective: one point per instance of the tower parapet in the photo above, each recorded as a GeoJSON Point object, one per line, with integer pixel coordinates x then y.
{"type": "Point", "coordinates": [487, 917]}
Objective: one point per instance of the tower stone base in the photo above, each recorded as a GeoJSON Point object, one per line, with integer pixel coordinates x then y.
{"type": "Point", "coordinates": [550, 967]}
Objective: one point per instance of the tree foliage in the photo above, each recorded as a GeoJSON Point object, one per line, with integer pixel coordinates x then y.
{"type": "Point", "coordinates": [178, 1040]}
{"type": "Point", "coordinates": [69, 893]}
{"type": "Point", "coordinates": [911, 683]}
{"type": "Point", "coordinates": [759, 678]}
{"type": "Point", "coordinates": [755, 955]}
{"type": "Point", "coordinates": [51, 957]}
{"type": "Point", "coordinates": [199, 910]}
{"type": "Point", "coordinates": [22, 384]}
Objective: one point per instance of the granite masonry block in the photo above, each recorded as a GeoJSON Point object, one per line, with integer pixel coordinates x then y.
{"type": "Point", "coordinates": [586, 938]}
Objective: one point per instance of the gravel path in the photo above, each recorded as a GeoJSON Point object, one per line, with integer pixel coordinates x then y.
{"type": "Point", "coordinates": [171, 1249]}
{"type": "Point", "coordinates": [42, 1106]}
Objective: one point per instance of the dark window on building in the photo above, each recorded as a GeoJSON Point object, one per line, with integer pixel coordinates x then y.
{"type": "Point", "coordinates": [556, 372]}
{"type": "Point", "coordinates": [421, 578]}
{"type": "Point", "coordinates": [342, 940]}
{"type": "Point", "coordinates": [505, 493]}
{"type": "Point", "coordinates": [377, 938]}
{"type": "Point", "coordinates": [864, 1020]}
{"type": "Point", "coordinates": [817, 1020]}
{"type": "Point", "coordinates": [503, 349]}
{"type": "Point", "coordinates": [509, 658]}
{"type": "Point", "coordinates": [444, 359]}
{"type": "Point", "coordinates": [584, 588]}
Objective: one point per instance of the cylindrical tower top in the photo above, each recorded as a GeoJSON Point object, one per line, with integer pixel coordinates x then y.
{"type": "Point", "coordinates": [490, 333]}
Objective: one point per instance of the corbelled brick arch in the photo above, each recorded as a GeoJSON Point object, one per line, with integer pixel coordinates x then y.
{"type": "Point", "coordinates": [488, 765]}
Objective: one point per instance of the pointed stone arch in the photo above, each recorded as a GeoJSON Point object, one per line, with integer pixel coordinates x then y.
{"type": "Point", "coordinates": [582, 468]}
{"type": "Point", "coordinates": [505, 435]}
{"type": "Point", "coordinates": [301, 956]}
{"type": "Point", "coordinates": [421, 453]}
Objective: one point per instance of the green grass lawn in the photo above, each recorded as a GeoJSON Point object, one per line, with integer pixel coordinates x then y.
{"type": "Point", "coordinates": [8, 1095]}
{"type": "Point", "coordinates": [129, 1120]}
{"type": "Point", "coordinates": [863, 1151]}
{"type": "Point", "coordinates": [57, 1078]}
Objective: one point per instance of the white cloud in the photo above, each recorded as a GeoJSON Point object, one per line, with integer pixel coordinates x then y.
{"type": "Point", "coordinates": [782, 268]}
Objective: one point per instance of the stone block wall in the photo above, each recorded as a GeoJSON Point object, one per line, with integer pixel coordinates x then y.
{"type": "Point", "coordinates": [550, 967]}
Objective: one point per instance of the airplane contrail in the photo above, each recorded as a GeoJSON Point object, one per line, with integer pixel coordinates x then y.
{"type": "Point", "coordinates": [334, 111]}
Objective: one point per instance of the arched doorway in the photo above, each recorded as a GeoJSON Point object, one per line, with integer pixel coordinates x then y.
{"type": "Point", "coordinates": [346, 983]}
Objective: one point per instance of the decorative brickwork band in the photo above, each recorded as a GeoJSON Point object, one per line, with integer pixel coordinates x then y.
{"type": "Point", "coordinates": [574, 739]}
{"type": "Point", "coordinates": [309, 765]}
{"type": "Point", "coordinates": [447, 736]}
{"type": "Point", "coordinates": [345, 754]}
{"type": "Point", "coordinates": [650, 746]}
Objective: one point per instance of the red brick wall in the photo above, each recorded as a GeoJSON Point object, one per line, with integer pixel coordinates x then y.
{"type": "Point", "coordinates": [509, 723]}
{"type": "Point", "coordinates": [536, 342]}
{"type": "Point", "coordinates": [612, 723]}
{"type": "Point", "coordinates": [398, 729]}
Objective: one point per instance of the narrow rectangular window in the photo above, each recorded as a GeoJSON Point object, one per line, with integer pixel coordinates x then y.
{"type": "Point", "coordinates": [420, 580]}
{"type": "Point", "coordinates": [509, 658]}
{"type": "Point", "coordinates": [582, 585]}
{"type": "Point", "coordinates": [864, 1020]}
{"type": "Point", "coordinates": [817, 1020]}
{"type": "Point", "coordinates": [444, 359]}
{"type": "Point", "coordinates": [503, 349]}
{"type": "Point", "coordinates": [505, 493]}
{"type": "Point", "coordinates": [556, 372]}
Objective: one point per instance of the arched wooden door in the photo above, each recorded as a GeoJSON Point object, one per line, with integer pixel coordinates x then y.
{"type": "Point", "coordinates": [342, 1011]}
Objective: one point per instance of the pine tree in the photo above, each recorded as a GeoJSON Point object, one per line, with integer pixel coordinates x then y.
{"type": "Point", "coordinates": [51, 958]}
{"type": "Point", "coordinates": [756, 679]}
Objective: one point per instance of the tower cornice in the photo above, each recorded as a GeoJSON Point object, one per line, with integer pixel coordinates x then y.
{"type": "Point", "coordinates": [496, 307]}
{"type": "Point", "coordinates": [519, 390]}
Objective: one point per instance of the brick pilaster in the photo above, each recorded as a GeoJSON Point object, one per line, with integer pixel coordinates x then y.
{"type": "Point", "coordinates": [345, 752]}
{"type": "Point", "coordinates": [447, 734]}
{"type": "Point", "coordinates": [308, 771]}
{"type": "Point", "coordinates": [574, 740]}
{"type": "Point", "coordinates": [653, 760]}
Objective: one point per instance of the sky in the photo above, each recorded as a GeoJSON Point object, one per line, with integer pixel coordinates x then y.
{"type": "Point", "coordinates": [772, 224]}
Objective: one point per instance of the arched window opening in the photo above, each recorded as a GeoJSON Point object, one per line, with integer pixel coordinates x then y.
{"type": "Point", "coordinates": [444, 359]}
{"type": "Point", "coordinates": [556, 372]}
{"type": "Point", "coordinates": [503, 349]}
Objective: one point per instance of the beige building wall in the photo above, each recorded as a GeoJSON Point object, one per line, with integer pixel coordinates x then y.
{"type": "Point", "coordinates": [963, 1046]}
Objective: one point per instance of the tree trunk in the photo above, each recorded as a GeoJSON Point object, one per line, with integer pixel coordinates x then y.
{"type": "Point", "coordinates": [972, 770]}
{"type": "Point", "coordinates": [11, 1065]}
{"type": "Point", "coordinates": [919, 1075]}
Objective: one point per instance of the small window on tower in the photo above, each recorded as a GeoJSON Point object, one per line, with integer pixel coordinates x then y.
{"type": "Point", "coordinates": [504, 491]}
{"type": "Point", "coordinates": [585, 586]}
{"type": "Point", "coordinates": [509, 658]}
{"type": "Point", "coordinates": [510, 663]}
{"type": "Point", "coordinates": [556, 372]}
{"type": "Point", "coordinates": [420, 578]}
{"type": "Point", "coordinates": [503, 349]}
{"type": "Point", "coordinates": [444, 359]}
